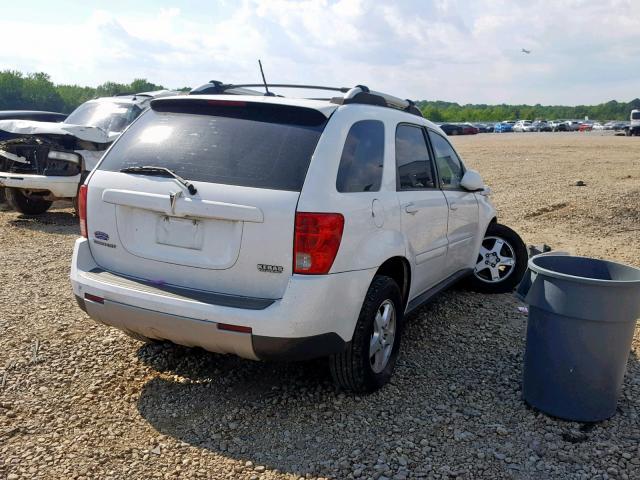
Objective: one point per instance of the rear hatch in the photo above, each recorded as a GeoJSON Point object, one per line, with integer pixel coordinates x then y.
{"type": "Point", "coordinates": [248, 162]}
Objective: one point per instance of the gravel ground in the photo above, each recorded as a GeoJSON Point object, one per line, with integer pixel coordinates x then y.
{"type": "Point", "coordinates": [80, 400]}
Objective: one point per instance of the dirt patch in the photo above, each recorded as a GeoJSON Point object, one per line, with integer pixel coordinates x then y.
{"type": "Point", "coordinates": [548, 209]}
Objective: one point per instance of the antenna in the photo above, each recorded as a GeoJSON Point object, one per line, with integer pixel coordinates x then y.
{"type": "Point", "coordinates": [268, 94]}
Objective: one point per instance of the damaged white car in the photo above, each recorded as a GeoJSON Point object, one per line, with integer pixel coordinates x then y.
{"type": "Point", "coordinates": [46, 161]}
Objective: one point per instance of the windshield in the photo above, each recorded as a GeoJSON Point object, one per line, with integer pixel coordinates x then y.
{"type": "Point", "coordinates": [109, 116]}
{"type": "Point", "coordinates": [635, 116]}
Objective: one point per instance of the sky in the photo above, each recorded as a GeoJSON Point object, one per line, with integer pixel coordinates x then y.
{"type": "Point", "coordinates": [582, 51]}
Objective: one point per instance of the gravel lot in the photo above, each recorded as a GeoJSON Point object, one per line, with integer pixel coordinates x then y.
{"type": "Point", "coordinates": [79, 400]}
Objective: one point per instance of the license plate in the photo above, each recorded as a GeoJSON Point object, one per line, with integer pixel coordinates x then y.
{"type": "Point", "coordinates": [179, 232]}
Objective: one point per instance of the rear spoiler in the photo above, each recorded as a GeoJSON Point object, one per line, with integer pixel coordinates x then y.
{"type": "Point", "coordinates": [244, 108]}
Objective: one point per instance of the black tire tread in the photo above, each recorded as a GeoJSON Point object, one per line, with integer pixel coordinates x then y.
{"type": "Point", "coordinates": [19, 202]}
{"type": "Point", "coordinates": [347, 367]}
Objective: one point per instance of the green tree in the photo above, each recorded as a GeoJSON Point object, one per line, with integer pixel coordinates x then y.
{"type": "Point", "coordinates": [39, 93]}
{"type": "Point", "coordinates": [140, 85]}
{"type": "Point", "coordinates": [11, 84]}
{"type": "Point", "coordinates": [74, 95]}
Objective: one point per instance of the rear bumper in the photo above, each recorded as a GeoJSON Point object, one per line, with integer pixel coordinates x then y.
{"type": "Point", "coordinates": [62, 187]}
{"type": "Point", "coordinates": [315, 317]}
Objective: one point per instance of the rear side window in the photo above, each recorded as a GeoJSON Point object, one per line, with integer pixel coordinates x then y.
{"type": "Point", "coordinates": [259, 147]}
{"type": "Point", "coordinates": [362, 158]}
{"type": "Point", "coordinates": [450, 169]}
{"type": "Point", "coordinates": [413, 162]}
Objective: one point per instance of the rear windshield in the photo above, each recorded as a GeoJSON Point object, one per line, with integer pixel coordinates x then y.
{"type": "Point", "coordinates": [251, 146]}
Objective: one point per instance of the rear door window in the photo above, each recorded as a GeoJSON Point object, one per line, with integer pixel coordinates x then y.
{"type": "Point", "coordinates": [232, 143]}
{"type": "Point", "coordinates": [362, 158]}
{"type": "Point", "coordinates": [450, 169]}
{"type": "Point", "coordinates": [413, 162]}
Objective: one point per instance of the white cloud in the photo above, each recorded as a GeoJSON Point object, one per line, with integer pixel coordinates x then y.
{"type": "Point", "coordinates": [582, 51]}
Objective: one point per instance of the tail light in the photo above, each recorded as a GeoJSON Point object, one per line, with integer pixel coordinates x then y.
{"type": "Point", "coordinates": [316, 242]}
{"type": "Point", "coordinates": [82, 210]}
{"type": "Point", "coordinates": [93, 298]}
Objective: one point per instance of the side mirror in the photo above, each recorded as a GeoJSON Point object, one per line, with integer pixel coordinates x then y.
{"type": "Point", "coordinates": [472, 181]}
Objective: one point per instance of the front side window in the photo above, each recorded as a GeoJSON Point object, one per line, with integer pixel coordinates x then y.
{"type": "Point", "coordinates": [413, 163]}
{"type": "Point", "coordinates": [362, 158]}
{"type": "Point", "coordinates": [450, 168]}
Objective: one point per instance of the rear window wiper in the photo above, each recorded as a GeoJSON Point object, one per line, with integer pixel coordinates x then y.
{"type": "Point", "coordinates": [151, 170]}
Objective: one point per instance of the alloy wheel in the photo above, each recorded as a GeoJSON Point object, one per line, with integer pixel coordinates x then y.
{"type": "Point", "coordinates": [496, 260]}
{"type": "Point", "coordinates": [383, 336]}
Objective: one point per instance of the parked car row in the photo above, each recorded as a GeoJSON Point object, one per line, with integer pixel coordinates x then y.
{"type": "Point", "coordinates": [532, 126]}
{"type": "Point", "coordinates": [556, 126]}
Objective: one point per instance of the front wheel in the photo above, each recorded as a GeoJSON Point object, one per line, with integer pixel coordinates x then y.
{"type": "Point", "coordinates": [501, 262]}
{"type": "Point", "coordinates": [25, 203]}
{"type": "Point", "coordinates": [369, 359]}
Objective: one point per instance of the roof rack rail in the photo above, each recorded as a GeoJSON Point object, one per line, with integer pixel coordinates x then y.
{"type": "Point", "coordinates": [358, 94]}
{"type": "Point", "coordinates": [362, 94]}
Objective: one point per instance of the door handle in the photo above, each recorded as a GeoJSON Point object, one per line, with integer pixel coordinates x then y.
{"type": "Point", "coordinates": [453, 206]}
{"type": "Point", "coordinates": [411, 208]}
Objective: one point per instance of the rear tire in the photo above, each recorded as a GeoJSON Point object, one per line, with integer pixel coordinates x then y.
{"type": "Point", "coordinates": [26, 204]}
{"type": "Point", "coordinates": [501, 262]}
{"type": "Point", "coordinates": [370, 357]}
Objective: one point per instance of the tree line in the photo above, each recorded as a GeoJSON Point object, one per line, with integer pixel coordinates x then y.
{"type": "Point", "coordinates": [438, 111]}
{"type": "Point", "coordinates": [36, 91]}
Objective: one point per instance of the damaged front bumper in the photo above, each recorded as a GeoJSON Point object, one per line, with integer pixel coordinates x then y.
{"type": "Point", "coordinates": [43, 164]}
{"type": "Point", "coordinates": [60, 187]}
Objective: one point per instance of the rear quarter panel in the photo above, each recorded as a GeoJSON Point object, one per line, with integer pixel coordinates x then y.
{"type": "Point", "coordinates": [368, 240]}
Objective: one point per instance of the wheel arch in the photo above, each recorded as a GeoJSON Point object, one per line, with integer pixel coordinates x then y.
{"type": "Point", "coordinates": [398, 269]}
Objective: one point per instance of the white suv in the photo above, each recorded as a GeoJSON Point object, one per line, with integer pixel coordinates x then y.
{"type": "Point", "coordinates": [279, 228]}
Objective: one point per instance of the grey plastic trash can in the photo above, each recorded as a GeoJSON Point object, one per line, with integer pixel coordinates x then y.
{"type": "Point", "coordinates": [582, 316]}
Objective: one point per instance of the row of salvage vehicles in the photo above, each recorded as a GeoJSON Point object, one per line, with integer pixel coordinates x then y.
{"type": "Point", "coordinates": [45, 161]}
